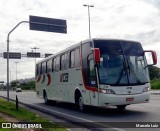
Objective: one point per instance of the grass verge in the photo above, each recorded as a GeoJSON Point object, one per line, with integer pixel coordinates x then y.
{"type": "Point", "coordinates": [155, 84]}
{"type": "Point", "coordinates": [23, 115]}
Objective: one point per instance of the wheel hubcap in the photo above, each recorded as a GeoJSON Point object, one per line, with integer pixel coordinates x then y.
{"type": "Point", "coordinates": [81, 105]}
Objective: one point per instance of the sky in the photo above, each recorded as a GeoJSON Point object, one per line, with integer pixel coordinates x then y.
{"type": "Point", "coordinates": [137, 20]}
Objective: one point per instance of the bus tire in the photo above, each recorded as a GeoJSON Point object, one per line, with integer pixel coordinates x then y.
{"type": "Point", "coordinates": [79, 101]}
{"type": "Point", "coordinates": [81, 105]}
{"type": "Point", "coordinates": [46, 101]}
{"type": "Point", "coordinates": [121, 107]}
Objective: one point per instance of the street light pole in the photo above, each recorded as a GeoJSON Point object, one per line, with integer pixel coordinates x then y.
{"type": "Point", "coordinates": [16, 73]}
{"type": "Point", "coordinates": [35, 61]}
{"type": "Point", "coordinates": [8, 55]}
{"type": "Point", "coordinates": [8, 35]}
{"type": "Point", "coordinates": [89, 18]}
{"type": "Point", "coordinates": [35, 53]}
{"type": "Point", "coordinates": [10, 75]}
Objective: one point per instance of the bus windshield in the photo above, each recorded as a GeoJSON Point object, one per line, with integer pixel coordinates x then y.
{"type": "Point", "coordinates": [122, 63]}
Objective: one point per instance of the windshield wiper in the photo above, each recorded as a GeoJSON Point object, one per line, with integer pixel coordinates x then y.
{"type": "Point", "coordinates": [130, 70]}
{"type": "Point", "coordinates": [121, 74]}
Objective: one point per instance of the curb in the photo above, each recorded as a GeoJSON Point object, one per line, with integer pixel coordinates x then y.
{"type": "Point", "coordinates": [155, 93]}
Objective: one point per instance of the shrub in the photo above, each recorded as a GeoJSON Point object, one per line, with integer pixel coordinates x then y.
{"type": "Point", "coordinates": [155, 84]}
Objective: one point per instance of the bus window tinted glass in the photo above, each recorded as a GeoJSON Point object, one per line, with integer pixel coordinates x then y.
{"type": "Point", "coordinates": [109, 47]}
{"type": "Point", "coordinates": [62, 62]}
{"type": "Point", "coordinates": [40, 68]}
{"type": "Point", "coordinates": [43, 67]}
{"type": "Point", "coordinates": [57, 63]}
{"type": "Point", "coordinates": [72, 59]}
{"type": "Point", "coordinates": [37, 70]}
{"type": "Point", "coordinates": [122, 63]}
{"type": "Point", "coordinates": [77, 57]}
{"type": "Point", "coordinates": [52, 64]}
{"type": "Point", "coordinates": [66, 66]}
{"type": "Point", "coordinates": [132, 49]}
{"type": "Point", "coordinates": [49, 66]}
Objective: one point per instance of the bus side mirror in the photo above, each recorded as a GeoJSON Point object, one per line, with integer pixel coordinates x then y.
{"type": "Point", "coordinates": [97, 55]}
{"type": "Point", "coordinates": [154, 56]}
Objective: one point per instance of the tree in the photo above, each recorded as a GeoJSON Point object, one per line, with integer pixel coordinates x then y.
{"type": "Point", "coordinates": [154, 72]}
{"type": "Point", "coordinates": [13, 83]}
{"type": "Point", "coordinates": [32, 84]}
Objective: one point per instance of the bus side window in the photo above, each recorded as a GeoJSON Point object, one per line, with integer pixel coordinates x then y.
{"type": "Point", "coordinates": [37, 70]}
{"type": "Point", "coordinates": [62, 62]}
{"type": "Point", "coordinates": [72, 59]}
{"type": "Point", "coordinates": [46, 67]}
{"type": "Point", "coordinates": [77, 57]}
{"type": "Point", "coordinates": [66, 65]}
{"type": "Point", "coordinates": [53, 64]}
{"type": "Point", "coordinates": [43, 67]}
{"type": "Point", "coordinates": [57, 63]}
{"type": "Point", "coordinates": [49, 66]}
{"type": "Point", "coordinates": [40, 68]}
{"type": "Point", "coordinates": [54, 69]}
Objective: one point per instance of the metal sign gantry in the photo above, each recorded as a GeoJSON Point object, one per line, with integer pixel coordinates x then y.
{"type": "Point", "coordinates": [40, 24]}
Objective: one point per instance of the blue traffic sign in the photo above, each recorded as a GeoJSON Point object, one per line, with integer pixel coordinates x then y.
{"type": "Point", "coordinates": [47, 24]}
{"type": "Point", "coordinates": [12, 55]}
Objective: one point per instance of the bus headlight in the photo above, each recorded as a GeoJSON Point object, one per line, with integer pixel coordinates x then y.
{"type": "Point", "coordinates": [146, 89]}
{"type": "Point", "coordinates": [106, 91]}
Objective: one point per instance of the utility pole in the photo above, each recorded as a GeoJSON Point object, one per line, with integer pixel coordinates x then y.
{"type": "Point", "coordinates": [35, 48]}
{"type": "Point", "coordinates": [16, 73]}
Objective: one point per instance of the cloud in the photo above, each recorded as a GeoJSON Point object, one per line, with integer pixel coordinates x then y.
{"type": "Point", "coordinates": [155, 3]}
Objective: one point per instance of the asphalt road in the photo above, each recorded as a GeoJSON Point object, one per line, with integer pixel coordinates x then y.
{"type": "Point", "coordinates": [60, 112]}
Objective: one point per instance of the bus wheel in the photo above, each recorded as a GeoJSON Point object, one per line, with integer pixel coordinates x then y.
{"type": "Point", "coordinates": [81, 104]}
{"type": "Point", "coordinates": [45, 98]}
{"type": "Point", "coordinates": [121, 107]}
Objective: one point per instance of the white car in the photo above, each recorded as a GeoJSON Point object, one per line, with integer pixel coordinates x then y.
{"type": "Point", "coordinates": [18, 90]}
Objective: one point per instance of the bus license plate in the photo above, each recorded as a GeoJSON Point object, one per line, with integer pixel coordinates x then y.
{"type": "Point", "coordinates": [129, 99]}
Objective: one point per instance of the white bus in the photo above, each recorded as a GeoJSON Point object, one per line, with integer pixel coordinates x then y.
{"type": "Point", "coordinates": [96, 72]}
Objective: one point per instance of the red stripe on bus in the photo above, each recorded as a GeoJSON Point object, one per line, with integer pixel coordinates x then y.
{"type": "Point", "coordinates": [49, 79]}
{"type": "Point", "coordinates": [39, 78]}
{"type": "Point", "coordinates": [94, 89]}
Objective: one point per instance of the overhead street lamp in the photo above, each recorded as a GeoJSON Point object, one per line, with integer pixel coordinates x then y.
{"type": "Point", "coordinates": [35, 48]}
{"type": "Point", "coordinates": [45, 26]}
{"type": "Point", "coordinates": [89, 18]}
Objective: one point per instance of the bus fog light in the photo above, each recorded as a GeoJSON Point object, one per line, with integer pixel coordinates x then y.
{"type": "Point", "coordinates": [146, 89]}
{"type": "Point", "coordinates": [106, 91]}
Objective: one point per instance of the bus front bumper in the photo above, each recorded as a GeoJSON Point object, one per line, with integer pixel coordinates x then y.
{"type": "Point", "coordinates": [114, 100]}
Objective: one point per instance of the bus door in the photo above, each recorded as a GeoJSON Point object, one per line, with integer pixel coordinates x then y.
{"type": "Point", "coordinates": [89, 74]}
{"type": "Point", "coordinates": [92, 81]}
